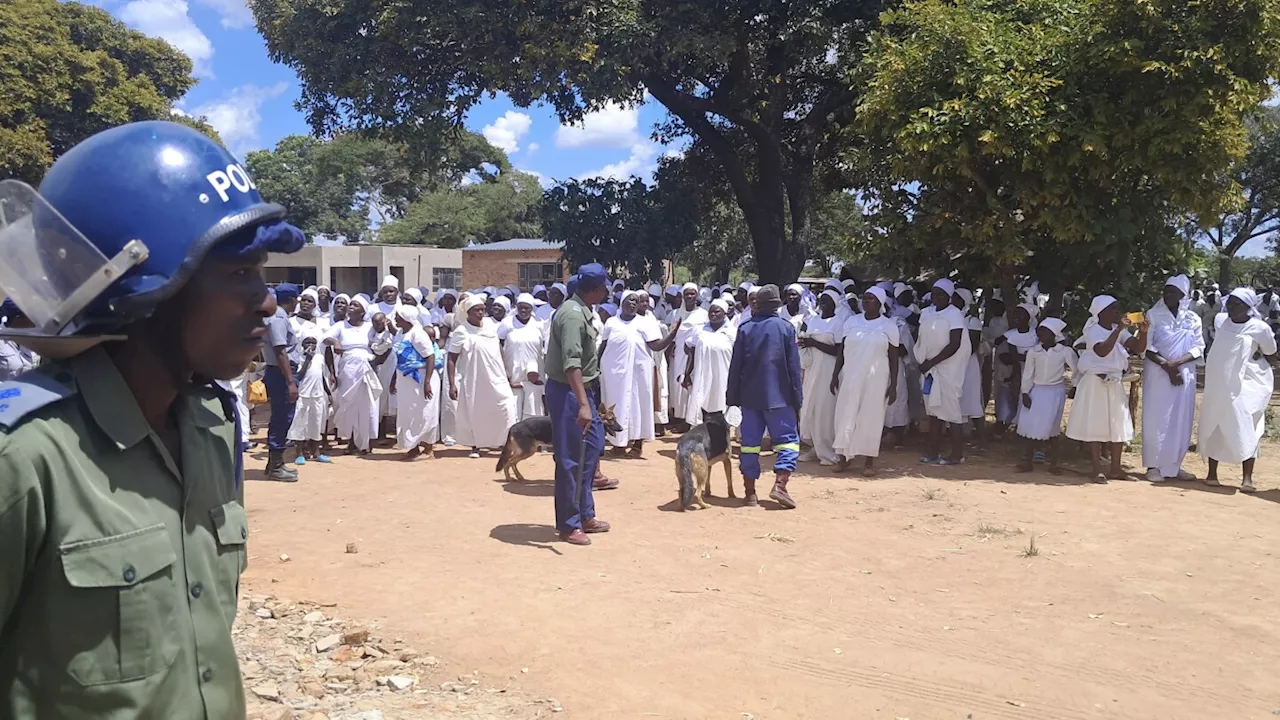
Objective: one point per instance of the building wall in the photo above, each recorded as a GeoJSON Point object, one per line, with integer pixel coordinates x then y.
{"type": "Point", "coordinates": [347, 268]}
{"type": "Point", "coordinates": [482, 268]}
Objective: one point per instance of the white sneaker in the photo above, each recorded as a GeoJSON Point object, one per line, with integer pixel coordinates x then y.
{"type": "Point", "coordinates": [1153, 474]}
{"type": "Point", "coordinates": [1185, 476]}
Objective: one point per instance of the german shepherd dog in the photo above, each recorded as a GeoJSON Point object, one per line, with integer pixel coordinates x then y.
{"type": "Point", "coordinates": [697, 452]}
{"type": "Point", "coordinates": [525, 436]}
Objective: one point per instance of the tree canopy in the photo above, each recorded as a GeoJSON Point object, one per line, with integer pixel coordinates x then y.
{"type": "Point", "coordinates": [764, 84]}
{"type": "Point", "coordinates": [1075, 131]}
{"type": "Point", "coordinates": [68, 71]}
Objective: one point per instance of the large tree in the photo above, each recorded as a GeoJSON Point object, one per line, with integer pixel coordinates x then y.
{"type": "Point", "coordinates": [500, 207]}
{"type": "Point", "coordinates": [68, 71]}
{"type": "Point", "coordinates": [763, 83]}
{"type": "Point", "coordinates": [1073, 131]}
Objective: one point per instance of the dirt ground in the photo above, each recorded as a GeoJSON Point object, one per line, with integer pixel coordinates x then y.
{"type": "Point", "coordinates": [915, 595]}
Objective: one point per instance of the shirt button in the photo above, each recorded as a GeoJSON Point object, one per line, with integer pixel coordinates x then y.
{"type": "Point", "coordinates": [130, 574]}
{"type": "Point", "coordinates": [207, 674]}
{"type": "Point", "coordinates": [244, 533]}
{"type": "Point", "coordinates": [196, 590]}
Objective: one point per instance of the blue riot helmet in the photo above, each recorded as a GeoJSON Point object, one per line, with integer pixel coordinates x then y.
{"type": "Point", "coordinates": [120, 223]}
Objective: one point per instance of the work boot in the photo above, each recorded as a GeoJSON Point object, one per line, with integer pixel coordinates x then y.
{"type": "Point", "coordinates": [276, 469]}
{"type": "Point", "coordinates": [576, 537]}
{"type": "Point", "coordinates": [779, 492]}
{"type": "Point", "coordinates": [595, 526]}
{"type": "Point", "coordinates": [749, 490]}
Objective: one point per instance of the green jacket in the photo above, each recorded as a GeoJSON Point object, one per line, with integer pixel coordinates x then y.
{"type": "Point", "coordinates": [572, 342]}
{"type": "Point", "coordinates": [119, 566]}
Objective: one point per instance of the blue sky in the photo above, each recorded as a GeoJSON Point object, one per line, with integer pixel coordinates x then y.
{"type": "Point", "coordinates": [249, 99]}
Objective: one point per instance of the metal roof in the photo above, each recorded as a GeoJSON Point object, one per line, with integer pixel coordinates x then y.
{"type": "Point", "coordinates": [518, 244]}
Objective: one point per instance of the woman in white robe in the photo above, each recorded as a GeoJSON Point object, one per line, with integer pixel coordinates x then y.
{"type": "Point", "coordinates": [522, 352]}
{"type": "Point", "coordinates": [416, 385]}
{"type": "Point", "coordinates": [866, 379]}
{"type": "Point", "coordinates": [478, 380]}
{"type": "Point", "coordinates": [691, 318]}
{"type": "Point", "coordinates": [358, 391]}
{"type": "Point", "coordinates": [1169, 382]}
{"type": "Point", "coordinates": [384, 334]}
{"type": "Point", "coordinates": [1238, 384]}
{"type": "Point", "coordinates": [1100, 412]}
{"type": "Point", "coordinates": [661, 404]}
{"type": "Point", "coordinates": [626, 373]}
{"type": "Point", "coordinates": [898, 416]}
{"type": "Point", "coordinates": [819, 349]}
{"type": "Point", "coordinates": [943, 349]}
{"type": "Point", "coordinates": [794, 310]}
{"type": "Point", "coordinates": [1011, 348]}
{"type": "Point", "coordinates": [445, 318]}
{"type": "Point", "coordinates": [708, 352]}
{"type": "Point", "coordinates": [972, 403]}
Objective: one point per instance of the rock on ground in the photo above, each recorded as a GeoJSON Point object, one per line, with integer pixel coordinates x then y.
{"type": "Point", "coordinates": [351, 673]}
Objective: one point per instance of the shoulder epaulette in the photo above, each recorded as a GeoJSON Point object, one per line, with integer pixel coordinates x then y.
{"type": "Point", "coordinates": [28, 393]}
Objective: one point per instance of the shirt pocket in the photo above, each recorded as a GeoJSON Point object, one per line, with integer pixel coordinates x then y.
{"type": "Point", "coordinates": [117, 622]}
{"type": "Point", "coordinates": [231, 527]}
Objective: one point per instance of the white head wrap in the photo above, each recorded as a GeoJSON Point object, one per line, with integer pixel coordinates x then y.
{"type": "Point", "coordinates": [672, 290]}
{"type": "Point", "coordinates": [469, 302]}
{"type": "Point", "coordinates": [504, 301]}
{"type": "Point", "coordinates": [323, 287]}
{"type": "Point", "coordinates": [747, 286]}
{"type": "Point", "coordinates": [654, 290]}
{"type": "Point", "coordinates": [966, 297]}
{"type": "Point", "coordinates": [390, 281]}
{"type": "Point", "coordinates": [538, 288]}
{"type": "Point", "coordinates": [414, 293]}
{"type": "Point", "coordinates": [720, 303]}
{"type": "Point", "coordinates": [1248, 296]}
{"type": "Point", "coordinates": [1033, 311]}
{"type": "Point", "coordinates": [899, 288]}
{"type": "Point", "coordinates": [561, 287]}
{"type": "Point", "coordinates": [880, 295]}
{"type": "Point", "coordinates": [1184, 285]}
{"type": "Point", "coordinates": [410, 314]}
{"type": "Point", "coordinates": [1055, 325]}
{"type": "Point", "coordinates": [361, 300]}
{"type": "Point", "coordinates": [526, 299]}
{"type": "Point", "coordinates": [689, 286]}
{"type": "Point", "coordinates": [848, 285]}
{"type": "Point", "coordinates": [945, 285]}
{"type": "Point", "coordinates": [315, 297]}
{"type": "Point", "coordinates": [836, 298]}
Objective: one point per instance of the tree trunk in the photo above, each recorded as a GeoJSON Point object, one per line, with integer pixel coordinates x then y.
{"type": "Point", "coordinates": [1224, 273]}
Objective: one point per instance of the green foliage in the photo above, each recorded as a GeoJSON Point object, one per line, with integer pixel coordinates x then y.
{"type": "Point", "coordinates": [331, 187]}
{"type": "Point", "coordinates": [500, 208]}
{"type": "Point", "coordinates": [1074, 131]}
{"type": "Point", "coordinates": [68, 71]}
{"type": "Point", "coordinates": [763, 84]}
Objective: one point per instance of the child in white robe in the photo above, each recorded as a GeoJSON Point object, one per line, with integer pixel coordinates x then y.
{"type": "Point", "coordinates": [1044, 392]}
{"type": "Point", "coordinates": [311, 413]}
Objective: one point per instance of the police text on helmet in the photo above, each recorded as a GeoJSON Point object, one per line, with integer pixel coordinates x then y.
{"type": "Point", "coordinates": [234, 176]}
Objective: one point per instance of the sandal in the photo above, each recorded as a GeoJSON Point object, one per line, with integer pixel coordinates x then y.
{"type": "Point", "coordinates": [1247, 487]}
{"type": "Point", "coordinates": [1100, 478]}
{"type": "Point", "coordinates": [926, 460]}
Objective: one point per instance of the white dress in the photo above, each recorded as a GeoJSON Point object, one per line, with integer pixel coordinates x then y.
{"type": "Point", "coordinates": [661, 416]}
{"type": "Point", "coordinates": [971, 395]}
{"type": "Point", "coordinates": [691, 323]}
{"type": "Point", "coordinates": [381, 342]}
{"type": "Point", "coordinates": [818, 411]}
{"type": "Point", "coordinates": [1237, 389]}
{"type": "Point", "coordinates": [943, 399]}
{"type": "Point", "coordinates": [522, 352]}
{"type": "Point", "coordinates": [1044, 379]}
{"type": "Point", "coordinates": [358, 388]}
{"type": "Point", "coordinates": [1100, 412]}
{"type": "Point", "coordinates": [448, 406]}
{"type": "Point", "coordinates": [712, 352]}
{"type": "Point", "coordinates": [626, 376]}
{"type": "Point", "coordinates": [417, 416]}
{"type": "Point", "coordinates": [486, 405]}
{"type": "Point", "coordinates": [864, 382]}
{"type": "Point", "coordinates": [1168, 411]}
{"type": "Point", "coordinates": [311, 413]}
{"type": "Point", "coordinates": [898, 415]}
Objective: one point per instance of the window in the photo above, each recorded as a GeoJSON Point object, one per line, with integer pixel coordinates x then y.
{"type": "Point", "coordinates": [442, 278]}
{"type": "Point", "coordinates": [540, 274]}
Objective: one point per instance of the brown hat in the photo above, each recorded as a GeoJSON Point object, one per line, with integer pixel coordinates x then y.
{"type": "Point", "coordinates": [769, 294]}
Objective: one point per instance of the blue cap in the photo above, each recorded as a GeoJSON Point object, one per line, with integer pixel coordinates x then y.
{"type": "Point", "coordinates": [286, 292]}
{"type": "Point", "coordinates": [572, 285]}
{"type": "Point", "coordinates": [592, 271]}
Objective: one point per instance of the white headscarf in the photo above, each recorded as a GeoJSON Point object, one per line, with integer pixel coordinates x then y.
{"type": "Point", "coordinates": [538, 288]}
{"type": "Point", "coordinates": [1054, 325]}
{"type": "Point", "coordinates": [469, 302]}
{"type": "Point", "coordinates": [880, 295]}
{"type": "Point", "coordinates": [1033, 311]}
{"type": "Point", "coordinates": [945, 285]}
{"type": "Point", "coordinates": [504, 302]}
{"type": "Point", "coordinates": [899, 288]}
{"type": "Point", "coordinates": [410, 314]}
{"type": "Point", "coordinates": [561, 287]}
{"type": "Point", "coordinates": [315, 297]}
{"type": "Point", "coordinates": [967, 297]}
{"type": "Point", "coordinates": [527, 299]}
{"type": "Point", "coordinates": [688, 286]}
{"type": "Point", "coordinates": [1183, 283]}
{"type": "Point", "coordinates": [389, 281]}
{"type": "Point", "coordinates": [720, 303]}
{"type": "Point", "coordinates": [672, 290]}
{"type": "Point", "coordinates": [654, 290]}
{"type": "Point", "coordinates": [1097, 305]}
{"type": "Point", "coordinates": [414, 293]}
{"type": "Point", "coordinates": [1248, 296]}
{"type": "Point", "coordinates": [361, 300]}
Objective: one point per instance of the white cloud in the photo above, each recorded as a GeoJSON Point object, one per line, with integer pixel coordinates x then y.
{"type": "Point", "coordinates": [505, 132]}
{"type": "Point", "coordinates": [234, 14]}
{"type": "Point", "coordinates": [237, 115]}
{"type": "Point", "coordinates": [613, 126]}
{"type": "Point", "coordinates": [169, 20]}
{"type": "Point", "coordinates": [543, 180]}
{"type": "Point", "coordinates": [642, 162]}
{"type": "Point", "coordinates": [533, 148]}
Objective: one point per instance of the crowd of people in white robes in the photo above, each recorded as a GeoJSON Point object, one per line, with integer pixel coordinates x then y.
{"type": "Point", "coordinates": [880, 361]}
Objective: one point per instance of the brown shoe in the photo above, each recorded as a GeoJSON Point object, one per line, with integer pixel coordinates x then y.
{"type": "Point", "coordinates": [595, 525]}
{"type": "Point", "coordinates": [604, 483]}
{"type": "Point", "coordinates": [577, 537]}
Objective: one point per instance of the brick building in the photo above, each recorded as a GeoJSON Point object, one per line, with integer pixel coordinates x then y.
{"type": "Point", "coordinates": [360, 268]}
{"type": "Point", "coordinates": [523, 262]}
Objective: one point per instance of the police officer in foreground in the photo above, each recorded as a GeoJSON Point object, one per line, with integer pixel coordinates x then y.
{"type": "Point", "coordinates": [122, 528]}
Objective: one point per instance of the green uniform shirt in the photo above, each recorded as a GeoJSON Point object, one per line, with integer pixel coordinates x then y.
{"type": "Point", "coordinates": [572, 343]}
{"type": "Point", "coordinates": [119, 566]}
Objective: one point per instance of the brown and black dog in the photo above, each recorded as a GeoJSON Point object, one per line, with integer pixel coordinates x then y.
{"type": "Point", "coordinates": [525, 436]}
{"type": "Point", "coordinates": [697, 452]}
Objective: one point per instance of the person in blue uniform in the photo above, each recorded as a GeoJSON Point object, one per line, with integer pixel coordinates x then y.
{"type": "Point", "coordinates": [764, 380]}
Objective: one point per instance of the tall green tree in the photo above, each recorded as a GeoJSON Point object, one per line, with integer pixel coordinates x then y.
{"type": "Point", "coordinates": [762, 83]}
{"type": "Point", "coordinates": [500, 207]}
{"type": "Point", "coordinates": [68, 71]}
{"type": "Point", "coordinates": [1075, 132]}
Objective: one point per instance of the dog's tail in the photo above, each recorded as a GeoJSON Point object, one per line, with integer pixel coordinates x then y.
{"type": "Point", "coordinates": [506, 453]}
{"type": "Point", "coordinates": [688, 468]}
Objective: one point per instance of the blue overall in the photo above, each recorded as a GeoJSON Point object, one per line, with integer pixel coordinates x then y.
{"type": "Point", "coordinates": [765, 381]}
{"type": "Point", "coordinates": [782, 426]}
{"type": "Point", "coordinates": [281, 408]}
{"type": "Point", "coordinates": [574, 501]}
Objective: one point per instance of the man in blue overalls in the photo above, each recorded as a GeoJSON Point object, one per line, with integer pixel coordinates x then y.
{"type": "Point", "coordinates": [764, 380]}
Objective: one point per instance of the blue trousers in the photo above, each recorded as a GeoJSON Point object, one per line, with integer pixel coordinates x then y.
{"type": "Point", "coordinates": [574, 500]}
{"type": "Point", "coordinates": [782, 425]}
{"type": "Point", "coordinates": [281, 408]}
